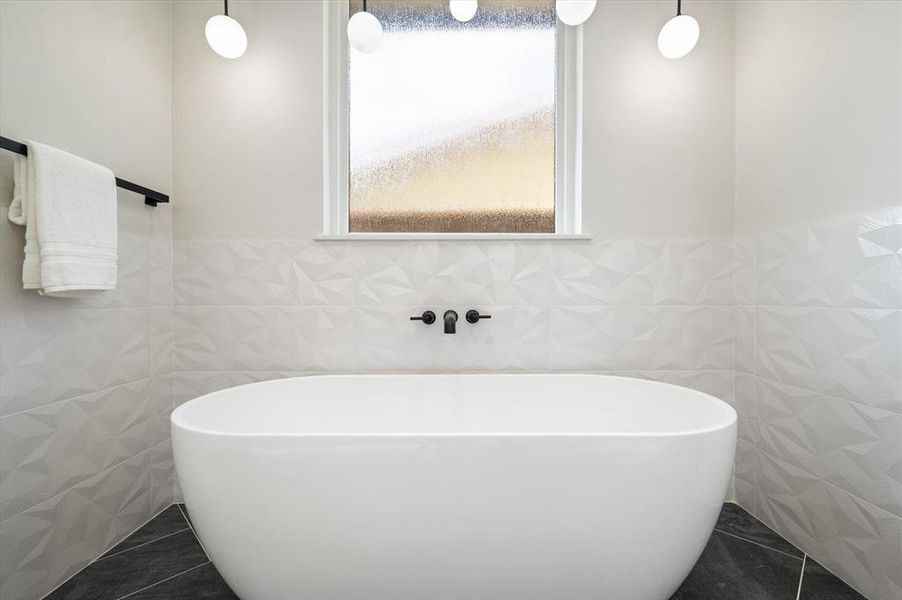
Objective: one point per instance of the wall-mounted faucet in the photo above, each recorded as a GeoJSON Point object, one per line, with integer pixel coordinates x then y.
{"type": "Point", "coordinates": [450, 322]}
{"type": "Point", "coordinates": [450, 319]}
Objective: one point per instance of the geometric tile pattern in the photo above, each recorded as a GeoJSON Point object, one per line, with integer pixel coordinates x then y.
{"type": "Point", "coordinates": [263, 306]}
{"type": "Point", "coordinates": [50, 541]}
{"type": "Point", "coordinates": [277, 273]}
{"type": "Point", "coordinates": [849, 353]}
{"type": "Point", "coordinates": [47, 450]}
{"type": "Point", "coordinates": [818, 334]}
{"type": "Point", "coordinates": [799, 329]}
{"type": "Point", "coordinates": [851, 262]}
{"type": "Point", "coordinates": [85, 396]}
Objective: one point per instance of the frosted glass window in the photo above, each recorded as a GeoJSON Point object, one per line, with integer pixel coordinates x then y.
{"type": "Point", "coordinates": [452, 125]}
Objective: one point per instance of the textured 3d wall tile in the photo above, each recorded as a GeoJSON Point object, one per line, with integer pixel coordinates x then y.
{"type": "Point", "coordinates": [647, 305]}
{"type": "Point", "coordinates": [85, 396]}
{"type": "Point", "coordinates": [819, 336]}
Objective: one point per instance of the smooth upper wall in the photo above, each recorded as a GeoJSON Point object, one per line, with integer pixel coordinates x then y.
{"type": "Point", "coordinates": [658, 133]}
{"type": "Point", "coordinates": [818, 110]}
{"type": "Point", "coordinates": [92, 78]}
{"type": "Point", "coordinates": [248, 133]}
{"type": "Point", "coordinates": [248, 136]}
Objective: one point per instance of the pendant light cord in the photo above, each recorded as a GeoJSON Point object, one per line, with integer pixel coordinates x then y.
{"type": "Point", "coordinates": [679, 7]}
{"type": "Point", "coordinates": [226, 3]}
{"type": "Point", "coordinates": [364, 5]}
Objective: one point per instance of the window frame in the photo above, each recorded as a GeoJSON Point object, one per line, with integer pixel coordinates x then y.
{"type": "Point", "coordinates": [336, 164]}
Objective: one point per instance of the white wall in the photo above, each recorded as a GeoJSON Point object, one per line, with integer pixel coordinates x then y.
{"type": "Point", "coordinates": [247, 145]}
{"type": "Point", "coordinates": [818, 110]}
{"type": "Point", "coordinates": [85, 384]}
{"type": "Point", "coordinates": [248, 133]}
{"type": "Point", "coordinates": [819, 282]}
{"type": "Point", "coordinates": [658, 133]}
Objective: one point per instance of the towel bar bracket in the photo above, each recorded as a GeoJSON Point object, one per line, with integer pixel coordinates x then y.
{"type": "Point", "coordinates": [151, 197]}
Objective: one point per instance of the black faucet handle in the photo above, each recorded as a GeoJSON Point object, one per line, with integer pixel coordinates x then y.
{"type": "Point", "coordinates": [428, 318]}
{"type": "Point", "coordinates": [473, 316]}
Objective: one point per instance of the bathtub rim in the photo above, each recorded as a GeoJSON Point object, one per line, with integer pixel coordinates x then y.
{"type": "Point", "coordinates": [177, 420]}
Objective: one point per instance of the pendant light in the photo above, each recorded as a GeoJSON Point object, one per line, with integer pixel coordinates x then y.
{"type": "Point", "coordinates": [574, 12]}
{"type": "Point", "coordinates": [364, 31]}
{"type": "Point", "coordinates": [463, 10]}
{"type": "Point", "coordinates": [226, 35]}
{"type": "Point", "coordinates": [679, 35]}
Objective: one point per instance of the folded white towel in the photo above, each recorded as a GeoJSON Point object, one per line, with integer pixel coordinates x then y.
{"type": "Point", "coordinates": [22, 212]}
{"type": "Point", "coordinates": [68, 207]}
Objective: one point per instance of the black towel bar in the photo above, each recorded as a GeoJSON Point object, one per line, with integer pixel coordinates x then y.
{"type": "Point", "coordinates": [151, 197]}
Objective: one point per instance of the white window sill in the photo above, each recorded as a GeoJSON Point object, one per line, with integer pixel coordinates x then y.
{"type": "Point", "coordinates": [451, 237]}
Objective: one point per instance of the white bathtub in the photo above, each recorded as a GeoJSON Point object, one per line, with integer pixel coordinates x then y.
{"type": "Point", "coordinates": [427, 487]}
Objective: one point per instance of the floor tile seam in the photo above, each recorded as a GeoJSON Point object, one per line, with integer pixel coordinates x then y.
{"type": "Point", "coordinates": [95, 559]}
{"type": "Point", "coordinates": [184, 512]}
{"type": "Point", "coordinates": [146, 587]}
{"type": "Point", "coordinates": [801, 578]}
{"type": "Point", "coordinates": [759, 544]}
{"type": "Point", "coordinates": [162, 537]}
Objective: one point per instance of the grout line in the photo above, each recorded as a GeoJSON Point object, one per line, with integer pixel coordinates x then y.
{"type": "Point", "coordinates": [561, 305]}
{"type": "Point", "coordinates": [94, 560]}
{"type": "Point", "coordinates": [830, 483]}
{"type": "Point", "coordinates": [89, 478]}
{"type": "Point", "coordinates": [756, 543]}
{"type": "Point", "coordinates": [448, 371]}
{"type": "Point", "coordinates": [191, 527]}
{"type": "Point", "coordinates": [106, 556]}
{"type": "Point", "coordinates": [778, 382]}
{"type": "Point", "coordinates": [805, 553]}
{"type": "Point", "coordinates": [162, 580]}
{"type": "Point", "coordinates": [801, 577]}
{"type": "Point", "coordinates": [184, 515]}
{"type": "Point", "coordinates": [769, 528]}
{"type": "Point", "coordinates": [79, 396]}
{"type": "Point", "coordinates": [399, 307]}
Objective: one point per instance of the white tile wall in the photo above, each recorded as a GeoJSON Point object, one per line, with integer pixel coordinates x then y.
{"type": "Point", "coordinates": [818, 333]}
{"type": "Point", "coordinates": [85, 396]}
{"type": "Point", "coordinates": [50, 541]}
{"type": "Point", "coordinates": [799, 329]}
{"type": "Point", "coordinates": [326, 306]}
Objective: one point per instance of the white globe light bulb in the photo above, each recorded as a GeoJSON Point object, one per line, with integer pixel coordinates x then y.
{"type": "Point", "coordinates": [226, 36]}
{"type": "Point", "coordinates": [678, 36]}
{"type": "Point", "coordinates": [365, 32]}
{"type": "Point", "coordinates": [574, 12]}
{"type": "Point", "coordinates": [463, 10]}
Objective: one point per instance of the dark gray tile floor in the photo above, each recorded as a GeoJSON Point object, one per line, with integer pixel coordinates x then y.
{"type": "Point", "coordinates": [744, 560]}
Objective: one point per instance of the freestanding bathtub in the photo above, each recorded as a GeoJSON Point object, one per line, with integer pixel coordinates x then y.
{"type": "Point", "coordinates": [440, 487]}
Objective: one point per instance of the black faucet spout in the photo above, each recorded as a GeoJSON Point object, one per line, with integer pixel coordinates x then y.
{"type": "Point", "coordinates": [450, 322]}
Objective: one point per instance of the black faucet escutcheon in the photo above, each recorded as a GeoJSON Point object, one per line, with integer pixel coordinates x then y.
{"type": "Point", "coordinates": [428, 318]}
{"type": "Point", "coordinates": [473, 316]}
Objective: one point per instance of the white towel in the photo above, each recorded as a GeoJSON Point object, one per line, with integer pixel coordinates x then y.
{"type": "Point", "coordinates": [22, 212]}
{"type": "Point", "coordinates": [68, 207]}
